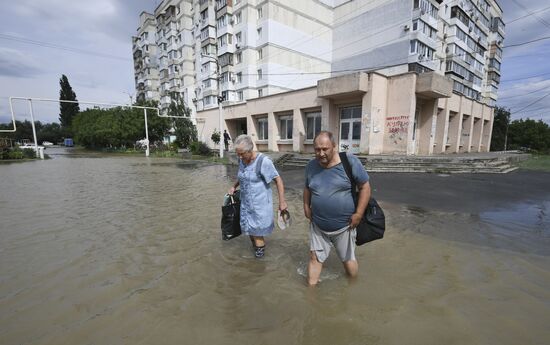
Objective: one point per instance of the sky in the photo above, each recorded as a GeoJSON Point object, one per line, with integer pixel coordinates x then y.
{"type": "Point", "coordinates": [90, 42]}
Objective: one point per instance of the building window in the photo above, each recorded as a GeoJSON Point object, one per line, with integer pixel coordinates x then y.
{"type": "Point", "coordinates": [285, 127]}
{"type": "Point", "coordinates": [204, 34]}
{"type": "Point", "coordinates": [260, 13]}
{"type": "Point", "coordinates": [239, 57]}
{"type": "Point", "coordinates": [426, 7]}
{"type": "Point", "coordinates": [225, 59]}
{"type": "Point", "coordinates": [225, 40]}
{"type": "Point", "coordinates": [240, 96]}
{"type": "Point", "coordinates": [313, 124]}
{"type": "Point", "coordinates": [260, 92]}
{"type": "Point", "coordinates": [204, 15]}
{"type": "Point", "coordinates": [263, 133]}
{"type": "Point", "coordinates": [238, 37]}
{"type": "Point", "coordinates": [260, 74]}
{"type": "Point", "coordinates": [259, 31]}
{"type": "Point", "coordinates": [260, 54]}
{"type": "Point", "coordinates": [239, 77]}
{"type": "Point", "coordinates": [422, 50]}
{"type": "Point", "coordinates": [238, 17]}
{"type": "Point", "coordinates": [222, 22]}
{"type": "Point", "coordinates": [419, 25]}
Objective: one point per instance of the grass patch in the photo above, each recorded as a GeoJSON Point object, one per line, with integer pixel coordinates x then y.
{"type": "Point", "coordinates": [536, 162]}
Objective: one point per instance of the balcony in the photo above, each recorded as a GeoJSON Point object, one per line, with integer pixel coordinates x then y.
{"type": "Point", "coordinates": [223, 7]}
{"type": "Point", "coordinates": [343, 86]}
{"type": "Point", "coordinates": [203, 5]}
{"type": "Point", "coordinates": [433, 85]}
{"type": "Point", "coordinates": [206, 40]}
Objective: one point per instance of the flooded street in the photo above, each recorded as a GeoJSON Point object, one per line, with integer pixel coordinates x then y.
{"type": "Point", "coordinates": [128, 250]}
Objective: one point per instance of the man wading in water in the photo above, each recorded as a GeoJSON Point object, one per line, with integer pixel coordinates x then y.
{"type": "Point", "coordinates": [328, 204]}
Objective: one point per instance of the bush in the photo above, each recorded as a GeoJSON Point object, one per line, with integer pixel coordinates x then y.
{"type": "Point", "coordinates": [199, 148]}
{"type": "Point", "coordinates": [29, 153]}
{"type": "Point", "coordinates": [16, 154]}
{"type": "Point", "coordinates": [174, 147]}
{"type": "Point", "coordinates": [216, 137]}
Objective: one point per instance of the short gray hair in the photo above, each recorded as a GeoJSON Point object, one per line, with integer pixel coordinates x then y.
{"type": "Point", "coordinates": [244, 142]}
{"type": "Point", "coordinates": [327, 134]}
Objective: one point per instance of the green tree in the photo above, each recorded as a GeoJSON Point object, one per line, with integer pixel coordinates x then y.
{"type": "Point", "coordinates": [500, 128]}
{"type": "Point", "coordinates": [51, 132]}
{"type": "Point", "coordinates": [185, 130]}
{"type": "Point", "coordinates": [117, 127]}
{"type": "Point", "coordinates": [67, 111]}
{"type": "Point", "coordinates": [215, 137]}
{"type": "Point", "coordinates": [529, 134]}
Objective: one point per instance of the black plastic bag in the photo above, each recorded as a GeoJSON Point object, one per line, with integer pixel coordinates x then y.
{"type": "Point", "coordinates": [231, 219]}
{"type": "Point", "coordinates": [373, 224]}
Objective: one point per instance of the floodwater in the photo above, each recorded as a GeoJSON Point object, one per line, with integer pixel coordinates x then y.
{"type": "Point", "coordinates": [127, 250]}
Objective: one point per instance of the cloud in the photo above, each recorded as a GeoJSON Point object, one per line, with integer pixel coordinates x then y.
{"type": "Point", "coordinates": [14, 63]}
{"type": "Point", "coordinates": [108, 19]}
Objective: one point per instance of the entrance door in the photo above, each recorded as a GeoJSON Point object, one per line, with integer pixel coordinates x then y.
{"type": "Point", "coordinates": [413, 145]}
{"type": "Point", "coordinates": [350, 129]}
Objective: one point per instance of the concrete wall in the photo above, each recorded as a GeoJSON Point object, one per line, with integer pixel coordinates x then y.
{"type": "Point", "coordinates": [399, 121]}
{"type": "Point", "coordinates": [389, 106]}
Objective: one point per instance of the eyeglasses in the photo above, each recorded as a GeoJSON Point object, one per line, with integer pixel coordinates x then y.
{"type": "Point", "coordinates": [243, 153]}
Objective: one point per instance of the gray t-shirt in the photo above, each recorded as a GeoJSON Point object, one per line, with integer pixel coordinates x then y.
{"type": "Point", "coordinates": [331, 200]}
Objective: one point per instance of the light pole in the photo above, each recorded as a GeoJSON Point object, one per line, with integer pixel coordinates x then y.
{"type": "Point", "coordinates": [220, 110]}
{"type": "Point", "coordinates": [131, 97]}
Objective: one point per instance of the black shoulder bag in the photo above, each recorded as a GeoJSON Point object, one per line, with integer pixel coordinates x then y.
{"type": "Point", "coordinates": [373, 224]}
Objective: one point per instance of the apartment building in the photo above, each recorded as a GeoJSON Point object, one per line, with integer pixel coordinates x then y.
{"type": "Point", "coordinates": [242, 44]}
{"type": "Point", "coordinates": [145, 53]}
{"type": "Point", "coordinates": [240, 51]}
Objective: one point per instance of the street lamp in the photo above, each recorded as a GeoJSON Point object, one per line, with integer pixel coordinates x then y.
{"type": "Point", "coordinates": [220, 110]}
{"type": "Point", "coordinates": [131, 97]}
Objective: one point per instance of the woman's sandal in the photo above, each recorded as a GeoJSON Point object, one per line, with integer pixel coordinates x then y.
{"type": "Point", "coordinates": [259, 252]}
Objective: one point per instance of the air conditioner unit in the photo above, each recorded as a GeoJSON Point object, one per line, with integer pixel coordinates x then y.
{"type": "Point", "coordinates": [238, 46]}
{"type": "Point", "coordinates": [406, 28]}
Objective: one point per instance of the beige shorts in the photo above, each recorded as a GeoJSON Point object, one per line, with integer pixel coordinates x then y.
{"type": "Point", "coordinates": [343, 241]}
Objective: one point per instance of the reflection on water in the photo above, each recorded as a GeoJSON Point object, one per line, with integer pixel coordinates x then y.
{"type": "Point", "coordinates": [526, 217]}
{"type": "Point", "coordinates": [115, 250]}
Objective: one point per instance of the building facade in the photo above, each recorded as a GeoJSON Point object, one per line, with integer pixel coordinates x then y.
{"type": "Point", "coordinates": [242, 51]}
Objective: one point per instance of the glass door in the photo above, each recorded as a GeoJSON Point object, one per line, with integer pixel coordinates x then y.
{"type": "Point", "coordinates": [350, 129]}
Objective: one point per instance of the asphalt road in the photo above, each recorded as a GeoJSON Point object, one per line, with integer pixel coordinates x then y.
{"type": "Point", "coordinates": [470, 193]}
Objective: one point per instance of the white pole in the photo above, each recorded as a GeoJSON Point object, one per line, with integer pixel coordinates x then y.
{"type": "Point", "coordinates": [146, 133]}
{"type": "Point", "coordinates": [220, 108]}
{"type": "Point", "coordinates": [221, 124]}
{"type": "Point", "coordinates": [34, 130]}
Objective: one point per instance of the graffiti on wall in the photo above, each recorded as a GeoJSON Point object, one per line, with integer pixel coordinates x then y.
{"type": "Point", "coordinates": [397, 126]}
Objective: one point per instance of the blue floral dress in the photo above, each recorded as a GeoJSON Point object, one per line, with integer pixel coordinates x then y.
{"type": "Point", "coordinates": [256, 197]}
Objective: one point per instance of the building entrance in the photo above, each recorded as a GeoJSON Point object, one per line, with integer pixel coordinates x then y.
{"type": "Point", "coordinates": [350, 129]}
